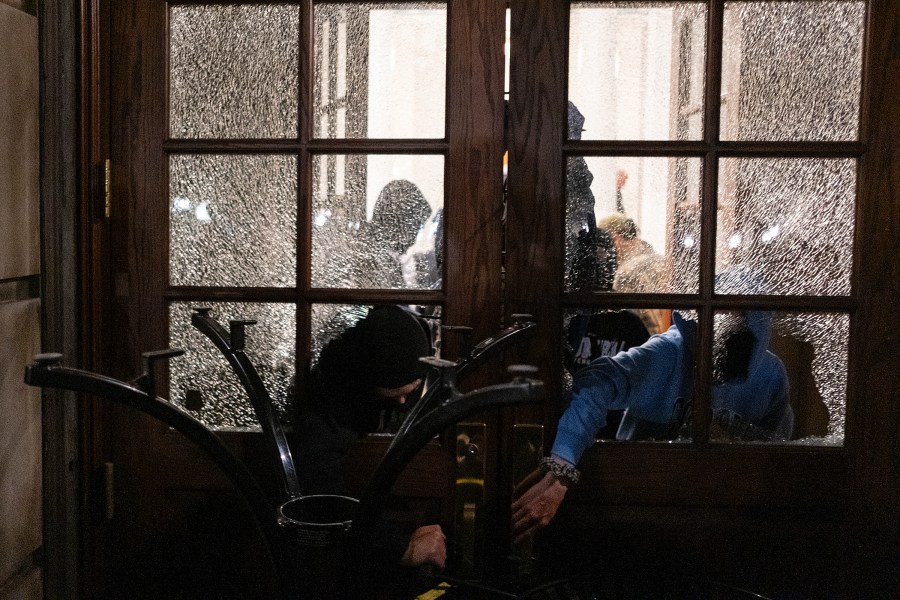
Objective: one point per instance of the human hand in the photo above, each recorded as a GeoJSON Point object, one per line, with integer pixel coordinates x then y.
{"type": "Point", "coordinates": [427, 546]}
{"type": "Point", "coordinates": [537, 506]}
{"type": "Point", "coordinates": [621, 178]}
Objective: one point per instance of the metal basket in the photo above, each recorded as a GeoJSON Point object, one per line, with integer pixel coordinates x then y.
{"type": "Point", "coordinates": [318, 521]}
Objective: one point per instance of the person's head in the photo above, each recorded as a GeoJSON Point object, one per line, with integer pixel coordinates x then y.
{"type": "Point", "coordinates": [392, 341]}
{"type": "Point", "coordinates": [399, 213]}
{"type": "Point", "coordinates": [739, 336]}
{"type": "Point", "coordinates": [624, 232]}
{"type": "Point", "coordinates": [734, 344]}
{"type": "Point", "coordinates": [619, 226]}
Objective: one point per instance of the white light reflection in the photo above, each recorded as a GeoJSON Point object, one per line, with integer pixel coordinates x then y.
{"type": "Point", "coordinates": [689, 241]}
{"type": "Point", "coordinates": [770, 234]}
{"type": "Point", "coordinates": [202, 212]}
{"type": "Point", "coordinates": [181, 204]}
{"type": "Point", "coordinates": [735, 240]}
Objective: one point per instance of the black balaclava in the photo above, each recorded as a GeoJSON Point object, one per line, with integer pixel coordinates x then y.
{"type": "Point", "coordinates": [733, 346]}
{"type": "Point", "coordinates": [391, 342]}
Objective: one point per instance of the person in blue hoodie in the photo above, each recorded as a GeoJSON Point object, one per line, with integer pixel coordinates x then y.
{"type": "Point", "coordinates": [654, 383]}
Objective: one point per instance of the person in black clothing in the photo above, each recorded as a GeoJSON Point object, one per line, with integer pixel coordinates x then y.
{"type": "Point", "coordinates": [368, 371]}
{"type": "Point", "coordinates": [400, 212]}
{"type": "Point", "coordinates": [580, 200]}
{"type": "Point", "coordinates": [594, 262]}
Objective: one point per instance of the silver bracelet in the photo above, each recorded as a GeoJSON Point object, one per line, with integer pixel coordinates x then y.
{"type": "Point", "coordinates": [566, 474]}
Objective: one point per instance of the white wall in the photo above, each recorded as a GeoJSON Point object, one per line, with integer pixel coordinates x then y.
{"type": "Point", "coordinates": [20, 405]}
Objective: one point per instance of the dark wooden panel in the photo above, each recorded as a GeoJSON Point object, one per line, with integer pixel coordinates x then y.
{"type": "Point", "coordinates": [138, 250]}
{"type": "Point", "coordinates": [873, 420]}
{"type": "Point", "coordinates": [59, 64]}
{"type": "Point", "coordinates": [474, 165]}
{"type": "Point", "coordinates": [638, 473]}
{"type": "Point", "coordinates": [537, 126]}
{"type": "Point", "coordinates": [428, 475]}
{"type": "Point", "coordinates": [779, 553]}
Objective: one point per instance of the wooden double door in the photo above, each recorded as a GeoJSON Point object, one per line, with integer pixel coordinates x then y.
{"type": "Point", "coordinates": [250, 144]}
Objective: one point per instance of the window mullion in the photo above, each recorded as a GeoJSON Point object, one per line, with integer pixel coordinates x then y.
{"type": "Point", "coordinates": [703, 363]}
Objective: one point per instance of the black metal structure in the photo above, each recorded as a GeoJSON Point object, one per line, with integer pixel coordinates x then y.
{"type": "Point", "coordinates": [231, 343]}
{"type": "Point", "coordinates": [441, 406]}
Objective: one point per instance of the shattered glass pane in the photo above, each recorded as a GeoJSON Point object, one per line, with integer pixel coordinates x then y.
{"type": "Point", "coordinates": [380, 70]}
{"type": "Point", "coordinates": [811, 348]}
{"type": "Point", "coordinates": [792, 70]}
{"type": "Point", "coordinates": [377, 221]}
{"type": "Point", "coordinates": [632, 224]}
{"type": "Point", "coordinates": [233, 220]}
{"type": "Point", "coordinates": [203, 383]}
{"type": "Point", "coordinates": [788, 223]}
{"type": "Point", "coordinates": [234, 71]}
{"type": "Point", "coordinates": [789, 389]}
{"type": "Point", "coordinates": [636, 70]}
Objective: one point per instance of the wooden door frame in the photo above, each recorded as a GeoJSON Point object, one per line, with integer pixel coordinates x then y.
{"type": "Point", "coordinates": [61, 188]}
{"type": "Point", "coordinates": [65, 168]}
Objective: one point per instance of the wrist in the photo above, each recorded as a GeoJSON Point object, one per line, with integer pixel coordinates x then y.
{"type": "Point", "coordinates": [563, 471]}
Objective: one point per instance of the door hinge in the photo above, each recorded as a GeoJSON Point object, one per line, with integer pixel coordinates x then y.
{"type": "Point", "coordinates": [109, 502]}
{"type": "Point", "coordinates": [107, 189]}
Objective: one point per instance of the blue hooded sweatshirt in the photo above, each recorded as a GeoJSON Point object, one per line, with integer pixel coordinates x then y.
{"type": "Point", "coordinates": [651, 383]}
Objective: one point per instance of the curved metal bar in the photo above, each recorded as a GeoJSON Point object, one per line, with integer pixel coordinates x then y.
{"type": "Point", "coordinates": [447, 373]}
{"type": "Point", "coordinates": [48, 373]}
{"type": "Point", "coordinates": [440, 383]}
{"type": "Point", "coordinates": [492, 345]}
{"type": "Point", "coordinates": [404, 449]}
{"type": "Point", "coordinates": [231, 344]}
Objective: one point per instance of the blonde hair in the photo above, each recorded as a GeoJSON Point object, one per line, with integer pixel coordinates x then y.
{"type": "Point", "coordinates": [619, 224]}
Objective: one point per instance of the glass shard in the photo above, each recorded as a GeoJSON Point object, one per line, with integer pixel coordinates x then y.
{"type": "Point", "coordinates": [203, 383]}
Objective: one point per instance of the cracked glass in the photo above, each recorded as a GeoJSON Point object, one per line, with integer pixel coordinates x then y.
{"type": "Point", "coordinates": [380, 70]}
{"type": "Point", "coordinates": [792, 70]}
{"type": "Point", "coordinates": [233, 71]}
{"type": "Point", "coordinates": [636, 69]}
{"type": "Point", "coordinates": [377, 221]}
{"type": "Point", "coordinates": [202, 381]}
{"type": "Point", "coordinates": [632, 224]}
{"type": "Point", "coordinates": [806, 352]}
{"type": "Point", "coordinates": [233, 220]}
{"type": "Point", "coordinates": [788, 223]}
